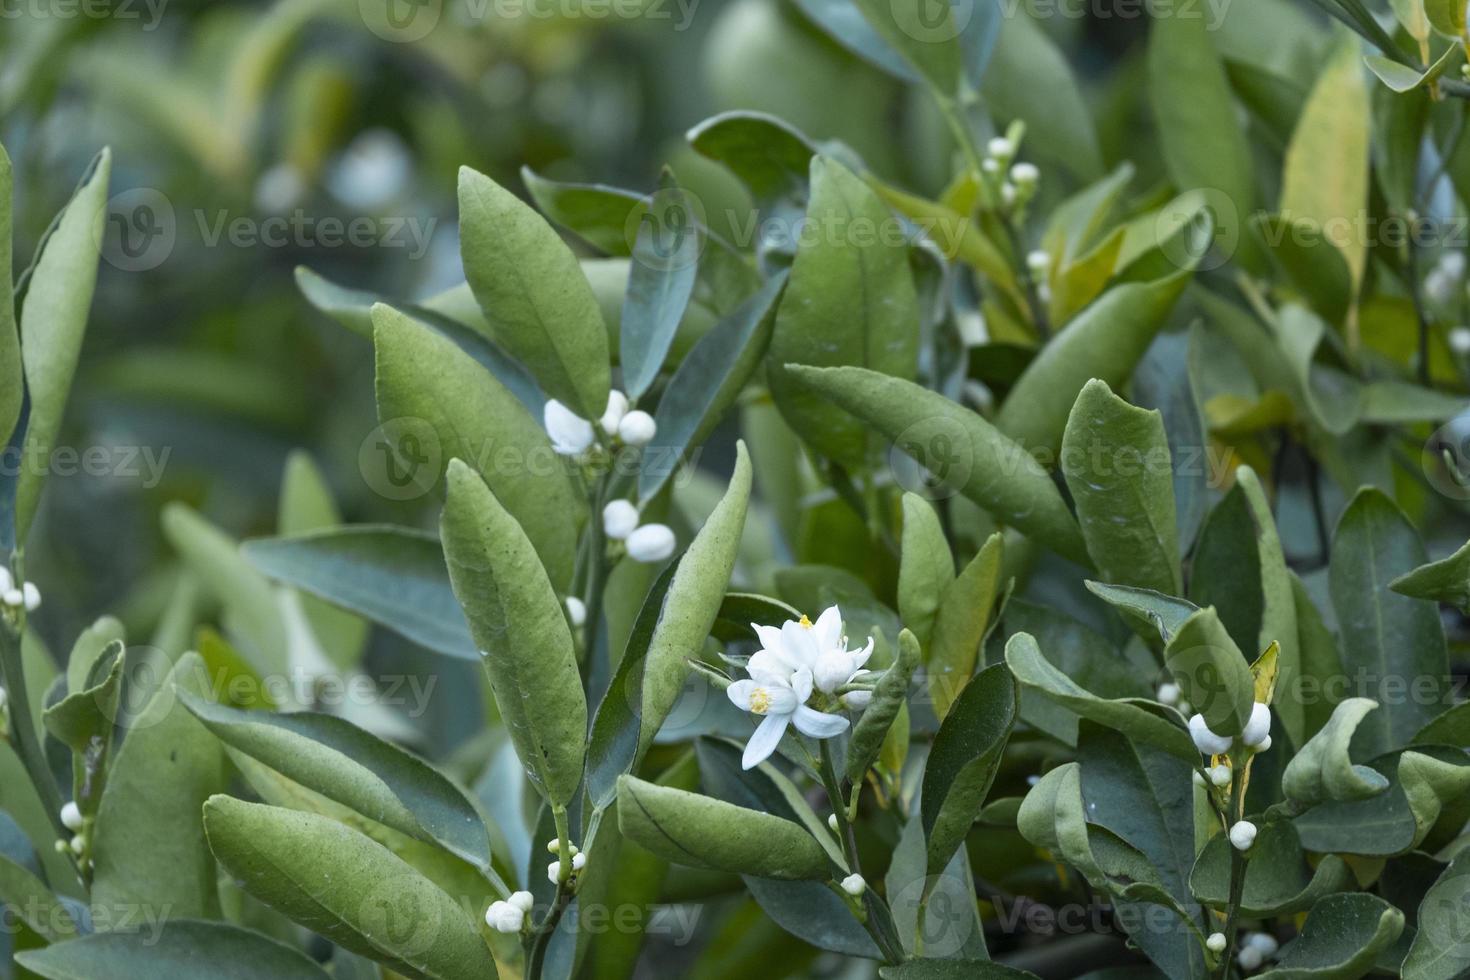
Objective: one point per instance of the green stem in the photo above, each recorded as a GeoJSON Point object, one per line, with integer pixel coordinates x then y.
{"type": "Point", "coordinates": [23, 725]}
{"type": "Point", "coordinates": [960, 128]}
{"type": "Point", "coordinates": [879, 920]}
{"type": "Point", "coordinates": [1237, 875]}
{"type": "Point", "coordinates": [541, 938]}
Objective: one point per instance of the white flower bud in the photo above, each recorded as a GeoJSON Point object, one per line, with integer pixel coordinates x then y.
{"type": "Point", "coordinates": [1243, 835]}
{"type": "Point", "coordinates": [571, 435]}
{"type": "Point", "coordinates": [14, 598]}
{"type": "Point", "coordinates": [576, 611]}
{"type": "Point", "coordinates": [1259, 726]}
{"type": "Point", "coordinates": [1205, 740]}
{"type": "Point", "coordinates": [637, 428]}
{"type": "Point", "coordinates": [71, 816]}
{"type": "Point", "coordinates": [1220, 776]}
{"type": "Point", "coordinates": [1001, 148]}
{"type": "Point", "coordinates": [1008, 194]}
{"type": "Point", "coordinates": [832, 822]}
{"type": "Point", "coordinates": [991, 167]}
{"type": "Point", "coordinates": [1216, 942]}
{"type": "Point", "coordinates": [1262, 745]}
{"type": "Point", "coordinates": [1453, 264]}
{"type": "Point", "coordinates": [553, 872]}
{"type": "Point", "coordinates": [857, 700]}
{"type": "Point", "coordinates": [579, 861]}
{"type": "Point", "coordinates": [1263, 941]}
{"type": "Point", "coordinates": [504, 917]}
{"type": "Point", "coordinates": [78, 844]}
{"type": "Point", "coordinates": [4, 698]}
{"type": "Point", "coordinates": [524, 901]}
{"type": "Point", "coordinates": [619, 519]}
{"type": "Point", "coordinates": [7, 581]}
{"type": "Point", "coordinates": [553, 846]}
{"type": "Point", "coordinates": [1033, 780]}
{"type": "Point", "coordinates": [1038, 262]}
{"type": "Point", "coordinates": [854, 885]}
{"type": "Point", "coordinates": [32, 596]}
{"type": "Point", "coordinates": [617, 407]}
{"type": "Point", "coordinates": [1460, 341]}
{"type": "Point", "coordinates": [1168, 693]}
{"type": "Point", "coordinates": [651, 543]}
{"type": "Point", "coordinates": [1025, 175]}
{"type": "Point", "coordinates": [1183, 707]}
{"type": "Point", "coordinates": [1250, 959]}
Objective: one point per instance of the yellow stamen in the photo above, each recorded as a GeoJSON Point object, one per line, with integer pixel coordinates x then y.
{"type": "Point", "coordinates": [760, 701]}
{"type": "Point", "coordinates": [805, 623]}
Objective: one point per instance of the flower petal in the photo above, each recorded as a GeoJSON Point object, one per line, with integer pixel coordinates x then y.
{"type": "Point", "coordinates": [740, 693]}
{"type": "Point", "coordinates": [801, 684]}
{"type": "Point", "coordinates": [764, 741]}
{"type": "Point", "coordinates": [767, 668]}
{"type": "Point", "coordinates": [860, 657]}
{"type": "Point", "coordinates": [799, 645]}
{"type": "Point", "coordinates": [828, 629]}
{"type": "Point", "coordinates": [818, 724]}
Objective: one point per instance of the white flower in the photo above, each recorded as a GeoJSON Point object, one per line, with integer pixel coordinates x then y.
{"type": "Point", "coordinates": [1025, 174]}
{"type": "Point", "coordinates": [1168, 693]}
{"type": "Point", "coordinates": [553, 870]}
{"type": "Point", "coordinates": [1220, 776]}
{"type": "Point", "coordinates": [612, 416]}
{"type": "Point", "coordinates": [857, 700]}
{"type": "Point", "coordinates": [651, 543]}
{"type": "Point", "coordinates": [1038, 262]}
{"type": "Point", "coordinates": [571, 435]}
{"type": "Point", "coordinates": [1001, 148]}
{"type": "Point", "coordinates": [991, 167]}
{"type": "Point", "coordinates": [524, 901]}
{"type": "Point", "coordinates": [1008, 194]}
{"type": "Point", "coordinates": [833, 664]}
{"type": "Point", "coordinates": [32, 596]}
{"type": "Point", "coordinates": [553, 846]}
{"type": "Point", "coordinates": [505, 917]}
{"type": "Point", "coordinates": [832, 822]}
{"type": "Point", "coordinates": [854, 885]}
{"type": "Point", "coordinates": [775, 692]}
{"type": "Point", "coordinates": [637, 428]}
{"type": "Point", "coordinates": [1259, 727]}
{"type": "Point", "coordinates": [78, 844]}
{"type": "Point", "coordinates": [1216, 942]}
{"type": "Point", "coordinates": [1207, 741]}
{"type": "Point", "coordinates": [71, 817]}
{"type": "Point", "coordinates": [7, 581]}
{"type": "Point", "coordinates": [1460, 341]}
{"type": "Point", "coordinates": [619, 519]}
{"type": "Point", "coordinates": [1263, 941]}
{"type": "Point", "coordinates": [1262, 745]}
{"type": "Point", "coordinates": [1243, 835]}
{"type": "Point", "coordinates": [1250, 959]}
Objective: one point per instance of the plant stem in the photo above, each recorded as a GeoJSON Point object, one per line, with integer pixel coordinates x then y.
{"type": "Point", "coordinates": [23, 724]}
{"type": "Point", "coordinates": [1237, 874]}
{"type": "Point", "coordinates": [879, 920]}
{"type": "Point", "coordinates": [538, 941]}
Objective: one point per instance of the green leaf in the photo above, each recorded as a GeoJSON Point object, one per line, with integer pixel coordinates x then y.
{"type": "Point", "coordinates": [1340, 940]}
{"type": "Point", "coordinates": [1202, 142]}
{"type": "Point", "coordinates": [533, 294]}
{"type": "Point", "coordinates": [848, 26]}
{"type": "Point", "coordinates": [394, 576]}
{"type": "Point", "coordinates": [1325, 176]}
{"type": "Point", "coordinates": [1278, 878]}
{"type": "Point", "coordinates": [518, 624]}
{"type": "Point", "coordinates": [1105, 341]}
{"type": "Point", "coordinates": [355, 768]}
{"type": "Point", "coordinates": [597, 213]}
{"type": "Point", "coordinates": [1446, 580]}
{"type": "Point", "coordinates": [660, 282]}
{"type": "Point", "coordinates": [1155, 616]}
{"type": "Point", "coordinates": [181, 948]}
{"type": "Point", "coordinates": [925, 568]}
{"type": "Point", "coordinates": [924, 33]}
{"type": "Point", "coordinates": [961, 624]}
{"type": "Point", "coordinates": [55, 297]}
{"type": "Point", "coordinates": [1322, 770]}
{"type": "Point", "coordinates": [1400, 818]}
{"type": "Point", "coordinates": [1401, 78]}
{"type": "Point", "coordinates": [770, 156]}
{"type": "Point", "coordinates": [149, 845]}
{"type": "Point", "coordinates": [964, 759]}
{"type": "Point", "coordinates": [1389, 640]}
{"type": "Point", "coordinates": [85, 717]}
{"type": "Point", "coordinates": [1278, 606]}
{"type": "Point", "coordinates": [1116, 461]}
{"type": "Point", "coordinates": [936, 969]}
{"type": "Point", "coordinates": [307, 505]}
{"type": "Point", "coordinates": [435, 404]}
{"type": "Point", "coordinates": [695, 596]}
{"type": "Point", "coordinates": [30, 902]}
{"type": "Point", "coordinates": [850, 301]}
{"type": "Point", "coordinates": [958, 447]}
{"type": "Point", "coordinates": [1447, 17]}
{"type": "Point", "coordinates": [889, 697]}
{"type": "Point", "coordinates": [706, 384]}
{"type": "Point", "coordinates": [1139, 718]}
{"type": "Point", "coordinates": [1212, 673]}
{"type": "Point", "coordinates": [702, 832]}
{"type": "Point", "coordinates": [12, 382]}
{"type": "Point", "coordinates": [338, 883]}
{"type": "Point", "coordinates": [1439, 951]}
{"type": "Point", "coordinates": [1319, 271]}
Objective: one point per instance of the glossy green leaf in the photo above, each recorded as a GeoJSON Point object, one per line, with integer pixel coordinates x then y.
{"type": "Point", "coordinates": [958, 447]}
{"type": "Point", "coordinates": [1139, 718]}
{"type": "Point", "coordinates": [55, 297]}
{"type": "Point", "coordinates": [964, 759]}
{"type": "Point", "coordinates": [1401, 78]}
{"type": "Point", "coordinates": [355, 768]}
{"type": "Point", "coordinates": [925, 569]}
{"type": "Point", "coordinates": [1278, 878]}
{"type": "Point", "coordinates": [597, 213]}
{"type": "Point", "coordinates": [1447, 17]}
{"type": "Point", "coordinates": [770, 157]}
{"type": "Point", "coordinates": [1212, 673]}
{"type": "Point", "coordinates": [1446, 580]}
{"type": "Point", "coordinates": [1116, 462]}
{"type": "Point", "coordinates": [85, 717]}
{"type": "Point", "coordinates": [1439, 951]}
{"type": "Point", "coordinates": [924, 33]}
{"type": "Point", "coordinates": [850, 301]}
{"type": "Point", "coordinates": [1278, 606]}
{"type": "Point", "coordinates": [1156, 617]}
{"type": "Point", "coordinates": [889, 697]}
{"type": "Point", "coordinates": [705, 385]}
{"type": "Point", "coordinates": [1322, 770]}
{"type": "Point", "coordinates": [1421, 784]}
{"type": "Point", "coordinates": [394, 576]}
{"type": "Point", "coordinates": [660, 282]}
{"type": "Point", "coordinates": [340, 884]}
{"type": "Point", "coordinates": [149, 846]}
{"type": "Point", "coordinates": [1393, 642]}
{"type": "Point", "coordinates": [27, 900]}
{"type": "Point", "coordinates": [181, 948]}
{"type": "Point", "coordinates": [1340, 940]}
{"type": "Point", "coordinates": [533, 294]}
{"type": "Point", "coordinates": [699, 831]}
{"type": "Point", "coordinates": [961, 624]}
{"type": "Point", "coordinates": [435, 404]}
{"type": "Point", "coordinates": [940, 969]}
{"type": "Point", "coordinates": [12, 384]}
{"type": "Point", "coordinates": [307, 505]}
{"type": "Point", "coordinates": [518, 623]}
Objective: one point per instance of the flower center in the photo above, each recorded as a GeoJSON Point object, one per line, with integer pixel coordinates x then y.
{"type": "Point", "coordinates": [805, 623]}
{"type": "Point", "coordinates": [760, 701]}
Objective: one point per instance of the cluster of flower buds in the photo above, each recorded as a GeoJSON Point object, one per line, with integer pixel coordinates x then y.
{"type": "Point", "coordinates": [71, 819]}
{"type": "Point", "coordinates": [17, 596]}
{"type": "Point", "coordinates": [1014, 183]}
{"type": "Point", "coordinates": [1444, 282]}
{"type": "Point", "coordinates": [553, 870]}
{"type": "Point", "coordinates": [1255, 949]}
{"type": "Point", "coordinates": [645, 542]}
{"type": "Point", "coordinates": [1168, 693]}
{"type": "Point", "coordinates": [1256, 735]}
{"type": "Point", "coordinates": [572, 435]}
{"type": "Point", "coordinates": [509, 916]}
